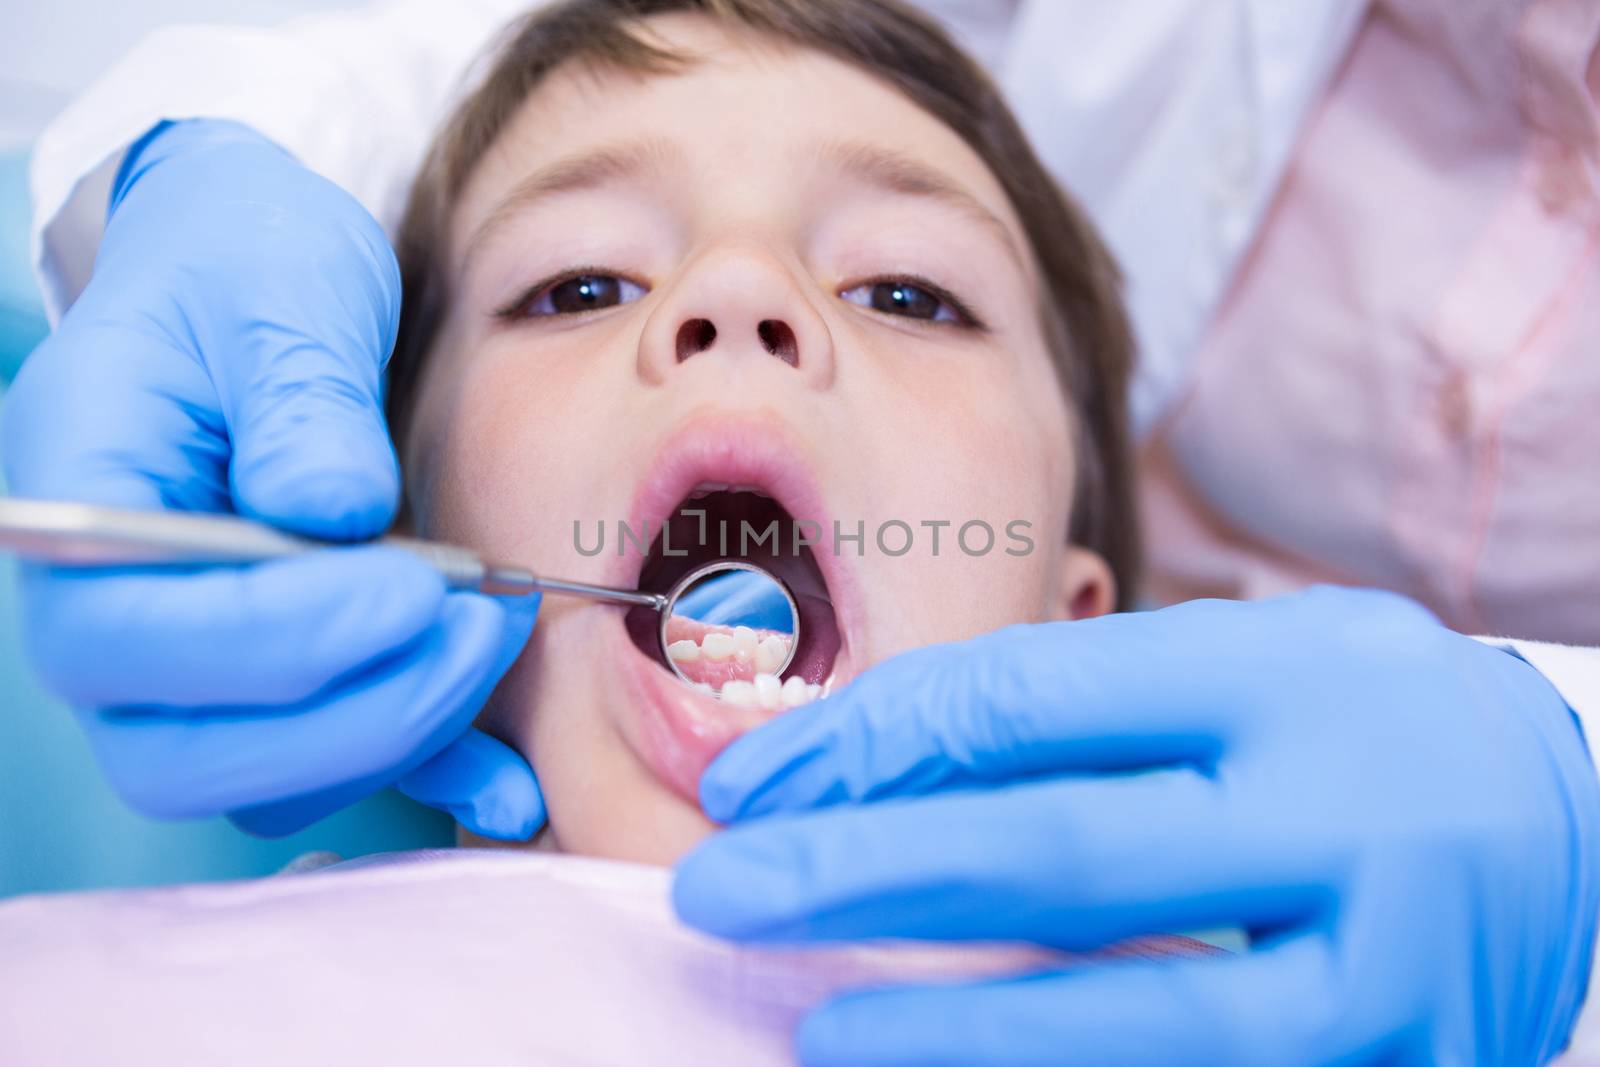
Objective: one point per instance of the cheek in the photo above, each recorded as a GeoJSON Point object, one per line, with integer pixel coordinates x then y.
{"type": "Point", "coordinates": [496, 486]}
{"type": "Point", "coordinates": [502, 477]}
{"type": "Point", "coordinates": [967, 445]}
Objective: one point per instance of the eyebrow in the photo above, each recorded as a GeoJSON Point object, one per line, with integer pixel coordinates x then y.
{"type": "Point", "coordinates": [632, 161]}
{"type": "Point", "coordinates": [606, 165]}
{"type": "Point", "coordinates": [897, 172]}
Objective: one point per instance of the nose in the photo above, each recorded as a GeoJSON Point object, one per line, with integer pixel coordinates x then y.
{"type": "Point", "coordinates": [737, 302]}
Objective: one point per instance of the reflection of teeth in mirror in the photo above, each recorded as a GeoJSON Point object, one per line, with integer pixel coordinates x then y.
{"type": "Point", "coordinates": [718, 646]}
{"type": "Point", "coordinates": [714, 653]}
{"type": "Point", "coordinates": [770, 653]}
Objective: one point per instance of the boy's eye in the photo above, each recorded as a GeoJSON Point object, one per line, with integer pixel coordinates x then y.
{"type": "Point", "coordinates": [582, 292]}
{"type": "Point", "coordinates": [912, 300]}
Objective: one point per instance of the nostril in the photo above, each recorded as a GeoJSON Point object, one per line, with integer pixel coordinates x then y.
{"type": "Point", "coordinates": [778, 339]}
{"type": "Point", "coordinates": [694, 337]}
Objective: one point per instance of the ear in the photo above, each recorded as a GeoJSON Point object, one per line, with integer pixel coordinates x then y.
{"type": "Point", "coordinates": [1087, 586]}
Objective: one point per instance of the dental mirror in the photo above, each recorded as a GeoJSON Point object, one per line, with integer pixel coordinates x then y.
{"type": "Point", "coordinates": [729, 621]}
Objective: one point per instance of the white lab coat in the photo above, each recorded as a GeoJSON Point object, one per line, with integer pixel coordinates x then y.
{"type": "Point", "coordinates": [1173, 128]}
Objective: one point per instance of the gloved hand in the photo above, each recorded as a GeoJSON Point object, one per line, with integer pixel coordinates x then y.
{"type": "Point", "coordinates": [227, 356]}
{"type": "Point", "coordinates": [1405, 821]}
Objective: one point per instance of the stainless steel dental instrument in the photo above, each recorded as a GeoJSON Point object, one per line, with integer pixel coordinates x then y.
{"type": "Point", "coordinates": [89, 535]}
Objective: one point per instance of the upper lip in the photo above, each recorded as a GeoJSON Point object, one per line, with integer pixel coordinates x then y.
{"type": "Point", "coordinates": [717, 448]}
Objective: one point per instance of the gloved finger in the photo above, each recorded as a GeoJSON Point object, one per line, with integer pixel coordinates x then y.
{"type": "Point", "coordinates": [520, 614]}
{"type": "Point", "coordinates": [294, 303]}
{"type": "Point", "coordinates": [1103, 694]}
{"type": "Point", "coordinates": [303, 398]}
{"type": "Point", "coordinates": [507, 806]}
{"type": "Point", "coordinates": [107, 412]}
{"type": "Point", "coordinates": [484, 783]}
{"type": "Point", "coordinates": [1273, 1006]}
{"type": "Point", "coordinates": [284, 817]}
{"type": "Point", "coordinates": [312, 452]}
{"type": "Point", "coordinates": [265, 635]}
{"type": "Point", "coordinates": [377, 725]}
{"type": "Point", "coordinates": [1072, 863]}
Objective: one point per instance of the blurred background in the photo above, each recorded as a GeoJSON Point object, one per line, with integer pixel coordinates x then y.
{"type": "Point", "coordinates": [60, 826]}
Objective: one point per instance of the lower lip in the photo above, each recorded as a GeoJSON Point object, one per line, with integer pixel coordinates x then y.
{"type": "Point", "coordinates": [679, 730]}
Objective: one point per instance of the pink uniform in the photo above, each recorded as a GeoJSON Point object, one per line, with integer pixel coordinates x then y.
{"type": "Point", "coordinates": [1403, 386]}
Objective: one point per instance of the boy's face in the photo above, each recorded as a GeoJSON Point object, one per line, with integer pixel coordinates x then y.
{"type": "Point", "coordinates": [877, 359]}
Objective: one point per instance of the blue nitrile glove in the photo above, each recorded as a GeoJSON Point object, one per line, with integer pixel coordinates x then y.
{"type": "Point", "coordinates": [1406, 821]}
{"type": "Point", "coordinates": [742, 598]}
{"type": "Point", "coordinates": [227, 356]}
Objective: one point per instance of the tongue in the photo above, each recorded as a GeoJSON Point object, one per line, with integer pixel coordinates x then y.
{"type": "Point", "coordinates": [714, 654]}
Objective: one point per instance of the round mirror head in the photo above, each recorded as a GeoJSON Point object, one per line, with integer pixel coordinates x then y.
{"type": "Point", "coordinates": [730, 622]}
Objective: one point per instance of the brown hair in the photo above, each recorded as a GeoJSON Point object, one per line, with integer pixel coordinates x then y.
{"type": "Point", "coordinates": [1084, 323]}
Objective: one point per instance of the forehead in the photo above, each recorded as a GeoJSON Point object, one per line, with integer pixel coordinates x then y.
{"type": "Point", "coordinates": [745, 103]}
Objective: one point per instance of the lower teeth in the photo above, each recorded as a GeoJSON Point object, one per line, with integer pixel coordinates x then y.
{"type": "Point", "coordinates": [766, 691]}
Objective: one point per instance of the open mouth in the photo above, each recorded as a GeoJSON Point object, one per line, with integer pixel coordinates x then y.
{"type": "Point", "coordinates": [715, 473]}
{"type": "Point", "coordinates": [746, 665]}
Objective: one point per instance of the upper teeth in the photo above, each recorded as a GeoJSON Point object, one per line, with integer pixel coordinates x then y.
{"type": "Point", "coordinates": [705, 489]}
{"type": "Point", "coordinates": [770, 653]}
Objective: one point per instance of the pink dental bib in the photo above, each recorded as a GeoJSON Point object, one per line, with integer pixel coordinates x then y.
{"type": "Point", "coordinates": [465, 956]}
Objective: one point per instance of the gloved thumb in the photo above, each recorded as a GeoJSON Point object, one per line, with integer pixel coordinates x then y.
{"type": "Point", "coordinates": [288, 294]}
{"type": "Point", "coordinates": [315, 459]}
{"type": "Point", "coordinates": [299, 365]}
{"type": "Point", "coordinates": [480, 781]}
